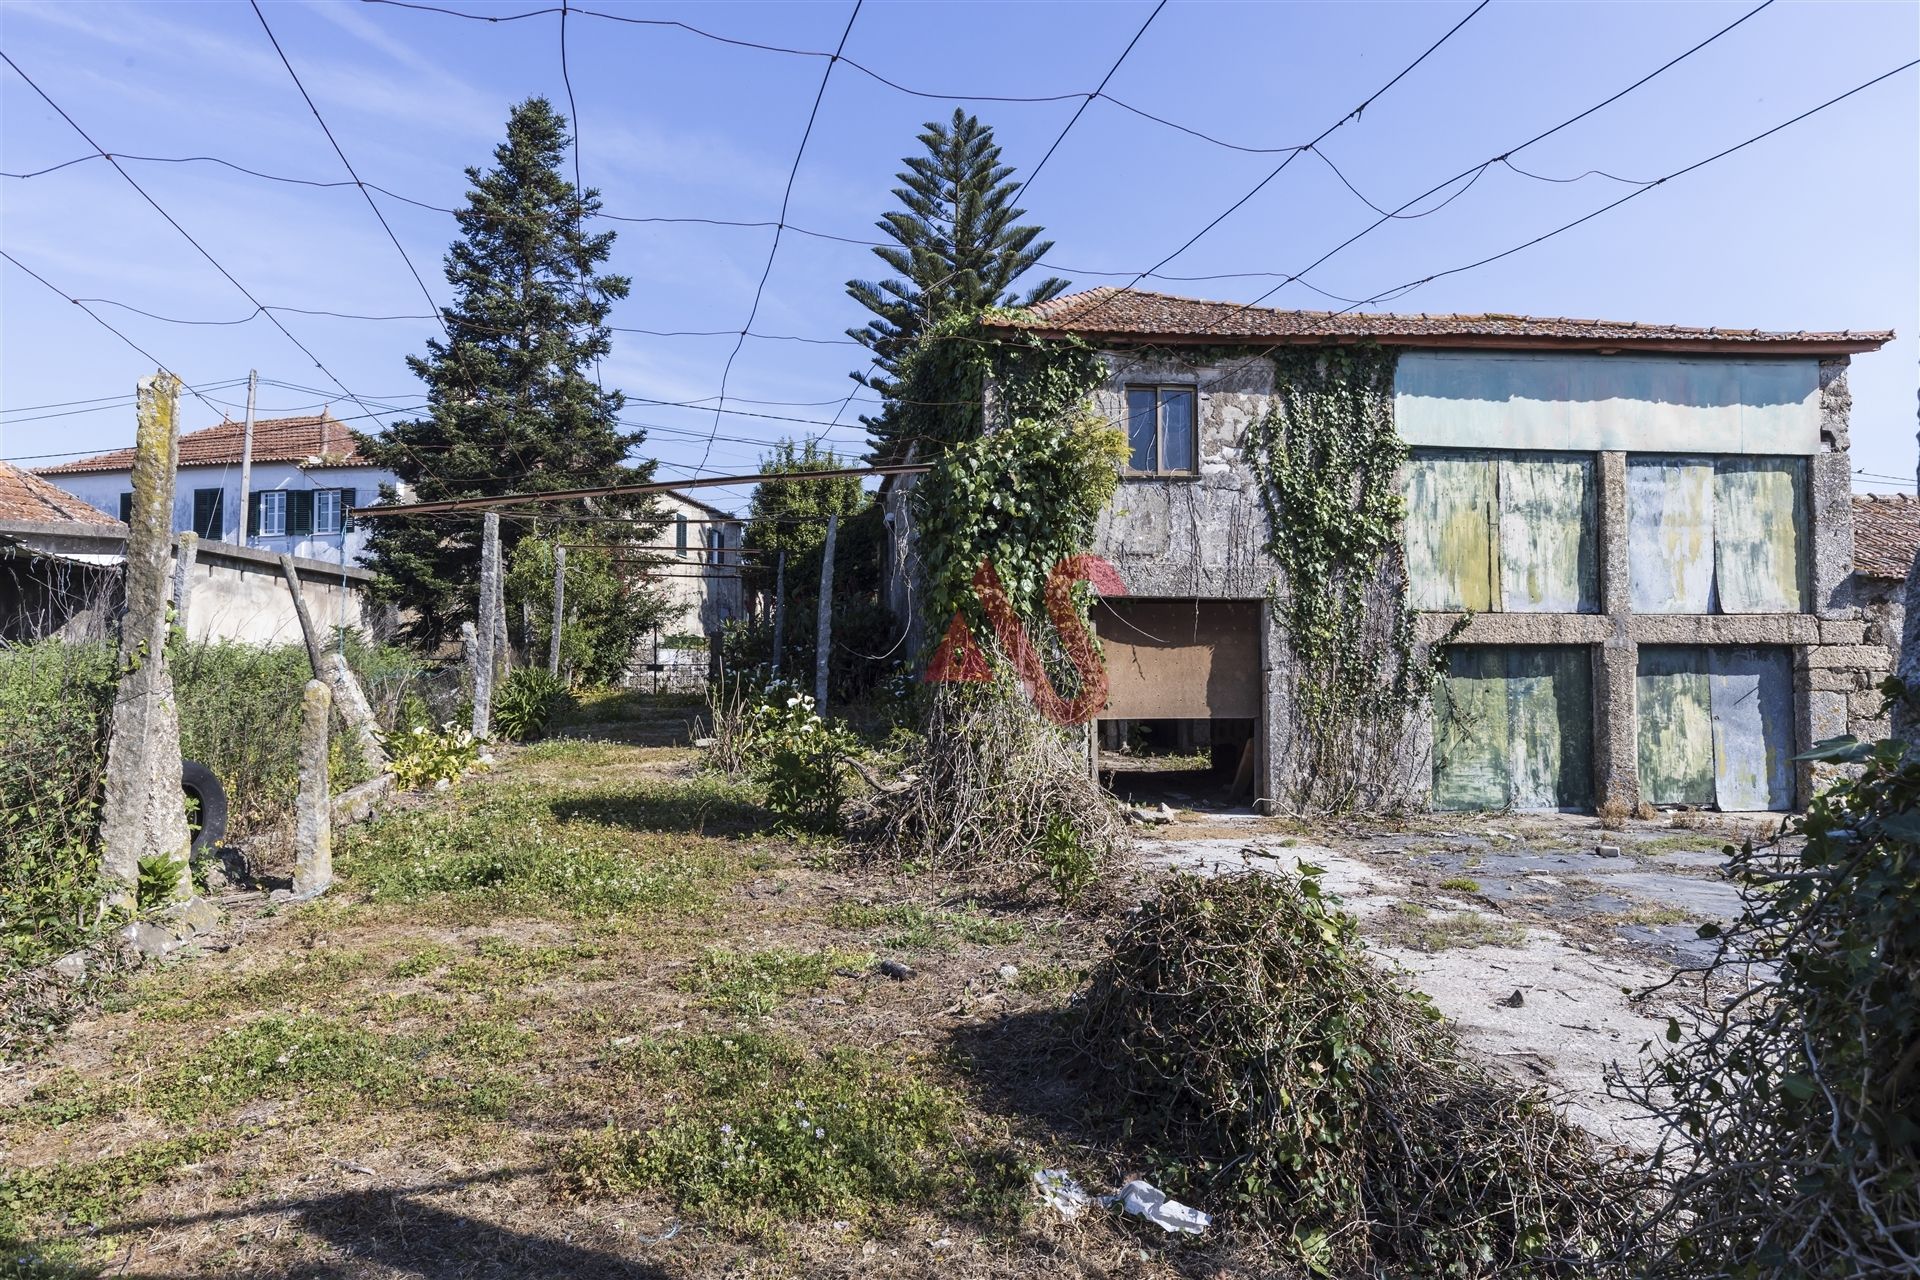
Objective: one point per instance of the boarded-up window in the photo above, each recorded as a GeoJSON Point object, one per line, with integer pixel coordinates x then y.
{"type": "Point", "coordinates": [1180, 659]}
{"type": "Point", "coordinates": [1716, 535]}
{"type": "Point", "coordinates": [1513, 728]}
{"type": "Point", "coordinates": [1500, 532]}
{"type": "Point", "coordinates": [1716, 726]}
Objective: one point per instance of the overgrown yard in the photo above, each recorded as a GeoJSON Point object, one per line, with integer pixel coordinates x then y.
{"type": "Point", "coordinates": [584, 1016]}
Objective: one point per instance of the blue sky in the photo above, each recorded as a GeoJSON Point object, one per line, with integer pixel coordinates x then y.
{"type": "Point", "coordinates": [1815, 227]}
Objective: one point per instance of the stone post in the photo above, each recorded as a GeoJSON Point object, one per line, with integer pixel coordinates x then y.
{"type": "Point", "coordinates": [779, 610]}
{"type": "Point", "coordinates": [333, 668]}
{"type": "Point", "coordinates": [144, 814]}
{"type": "Point", "coordinates": [823, 637]}
{"type": "Point", "coordinates": [185, 553]}
{"type": "Point", "coordinates": [312, 820]}
{"type": "Point", "coordinates": [316, 654]}
{"type": "Point", "coordinates": [1616, 746]}
{"type": "Point", "coordinates": [559, 608]}
{"type": "Point", "coordinates": [480, 654]}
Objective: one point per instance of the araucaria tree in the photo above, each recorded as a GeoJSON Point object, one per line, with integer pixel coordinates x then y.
{"type": "Point", "coordinates": [959, 248]}
{"type": "Point", "coordinates": [513, 404]}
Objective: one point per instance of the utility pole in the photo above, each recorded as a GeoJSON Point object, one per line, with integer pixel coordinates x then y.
{"type": "Point", "coordinates": [823, 639]}
{"type": "Point", "coordinates": [779, 611]}
{"type": "Point", "coordinates": [559, 608]}
{"type": "Point", "coordinates": [246, 463]}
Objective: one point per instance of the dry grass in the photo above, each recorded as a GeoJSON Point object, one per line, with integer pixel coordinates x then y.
{"type": "Point", "coordinates": [425, 1085]}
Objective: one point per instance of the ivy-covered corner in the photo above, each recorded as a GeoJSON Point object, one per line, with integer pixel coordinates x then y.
{"type": "Point", "coordinates": [1355, 683]}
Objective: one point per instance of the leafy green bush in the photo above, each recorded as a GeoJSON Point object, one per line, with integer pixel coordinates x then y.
{"type": "Point", "coordinates": [528, 701]}
{"type": "Point", "coordinates": [800, 758]}
{"type": "Point", "coordinates": [1274, 1074]}
{"type": "Point", "coordinates": [423, 757]}
{"type": "Point", "coordinates": [1793, 1110]}
{"type": "Point", "coordinates": [770, 1133]}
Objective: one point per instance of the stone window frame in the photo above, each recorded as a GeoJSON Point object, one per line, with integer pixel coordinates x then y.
{"type": "Point", "coordinates": [1159, 430]}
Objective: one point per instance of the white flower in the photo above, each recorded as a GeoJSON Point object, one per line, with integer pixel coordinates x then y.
{"type": "Point", "coordinates": [727, 1129]}
{"type": "Point", "coordinates": [819, 1133]}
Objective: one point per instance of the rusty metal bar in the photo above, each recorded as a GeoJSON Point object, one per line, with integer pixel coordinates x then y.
{"type": "Point", "coordinates": [623, 490]}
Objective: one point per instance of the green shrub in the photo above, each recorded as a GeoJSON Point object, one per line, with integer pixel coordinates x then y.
{"type": "Point", "coordinates": [1793, 1110]}
{"type": "Point", "coordinates": [162, 880]}
{"type": "Point", "coordinates": [423, 757]}
{"type": "Point", "coordinates": [1271, 1072]}
{"type": "Point", "coordinates": [528, 701]}
{"type": "Point", "coordinates": [798, 757]}
{"type": "Point", "coordinates": [769, 1134]}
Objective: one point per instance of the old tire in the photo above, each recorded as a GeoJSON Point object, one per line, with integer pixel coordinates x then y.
{"type": "Point", "coordinates": [198, 783]}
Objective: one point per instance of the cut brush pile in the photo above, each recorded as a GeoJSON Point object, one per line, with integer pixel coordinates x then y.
{"type": "Point", "coordinates": [1268, 1070]}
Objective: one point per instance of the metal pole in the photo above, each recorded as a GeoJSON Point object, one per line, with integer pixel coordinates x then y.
{"type": "Point", "coordinates": [246, 465]}
{"type": "Point", "coordinates": [779, 611]}
{"type": "Point", "coordinates": [559, 608]}
{"type": "Point", "coordinates": [823, 638]}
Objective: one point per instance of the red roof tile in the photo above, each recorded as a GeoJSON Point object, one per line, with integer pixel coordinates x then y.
{"type": "Point", "coordinates": [1138, 315]}
{"type": "Point", "coordinates": [1886, 534]}
{"type": "Point", "coordinates": [24, 496]}
{"type": "Point", "coordinates": [274, 440]}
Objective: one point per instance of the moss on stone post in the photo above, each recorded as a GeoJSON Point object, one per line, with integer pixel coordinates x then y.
{"type": "Point", "coordinates": [144, 814]}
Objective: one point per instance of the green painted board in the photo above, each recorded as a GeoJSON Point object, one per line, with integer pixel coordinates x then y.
{"type": "Point", "coordinates": [1759, 507]}
{"type": "Point", "coordinates": [1676, 726]}
{"type": "Point", "coordinates": [1751, 691]}
{"type": "Point", "coordinates": [1546, 534]}
{"type": "Point", "coordinates": [1470, 752]}
{"type": "Point", "coordinates": [1670, 514]}
{"type": "Point", "coordinates": [1451, 500]}
{"type": "Point", "coordinates": [1550, 710]}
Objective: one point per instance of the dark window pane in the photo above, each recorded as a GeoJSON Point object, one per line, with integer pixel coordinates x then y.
{"type": "Point", "coordinates": [1140, 431]}
{"type": "Point", "coordinates": [1176, 430]}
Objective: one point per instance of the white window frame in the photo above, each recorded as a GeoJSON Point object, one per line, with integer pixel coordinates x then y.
{"type": "Point", "coordinates": [323, 500]}
{"type": "Point", "coordinates": [273, 513]}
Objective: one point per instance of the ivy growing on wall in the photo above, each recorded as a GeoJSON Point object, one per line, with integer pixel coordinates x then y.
{"type": "Point", "coordinates": [1328, 459]}
{"type": "Point", "coordinates": [1018, 484]}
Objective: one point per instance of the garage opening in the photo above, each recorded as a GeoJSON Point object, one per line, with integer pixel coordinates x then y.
{"type": "Point", "coordinates": [1716, 727]}
{"type": "Point", "coordinates": [1183, 700]}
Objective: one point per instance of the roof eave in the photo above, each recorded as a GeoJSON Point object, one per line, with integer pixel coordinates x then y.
{"type": "Point", "coordinates": [1699, 346]}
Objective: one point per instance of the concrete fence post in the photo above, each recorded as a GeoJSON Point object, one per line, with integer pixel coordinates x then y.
{"type": "Point", "coordinates": [333, 668]}
{"type": "Point", "coordinates": [186, 552]}
{"type": "Point", "coordinates": [313, 820]}
{"type": "Point", "coordinates": [823, 637]}
{"type": "Point", "coordinates": [481, 654]}
{"type": "Point", "coordinates": [559, 609]}
{"type": "Point", "coordinates": [144, 813]}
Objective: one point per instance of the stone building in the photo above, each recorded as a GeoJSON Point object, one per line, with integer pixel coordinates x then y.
{"type": "Point", "coordinates": [1644, 533]}
{"type": "Point", "coordinates": [1886, 539]}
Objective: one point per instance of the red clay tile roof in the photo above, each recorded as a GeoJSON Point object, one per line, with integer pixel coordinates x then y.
{"type": "Point", "coordinates": [1141, 316]}
{"type": "Point", "coordinates": [24, 496]}
{"type": "Point", "coordinates": [274, 440]}
{"type": "Point", "coordinates": [1886, 534]}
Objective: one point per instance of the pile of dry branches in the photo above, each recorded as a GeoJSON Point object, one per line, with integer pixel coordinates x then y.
{"type": "Point", "coordinates": [1274, 1075]}
{"type": "Point", "coordinates": [997, 795]}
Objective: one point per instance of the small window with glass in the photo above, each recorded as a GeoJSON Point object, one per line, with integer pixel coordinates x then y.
{"type": "Point", "coordinates": [1161, 434]}
{"type": "Point", "coordinates": [326, 511]}
{"type": "Point", "coordinates": [272, 519]}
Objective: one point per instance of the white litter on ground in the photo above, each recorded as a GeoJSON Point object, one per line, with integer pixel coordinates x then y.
{"type": "Point", "coordinates": [1145, 1200]}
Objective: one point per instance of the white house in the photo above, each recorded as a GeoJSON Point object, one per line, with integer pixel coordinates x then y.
{"type": "Point", "coordinates": [307, 473]}
{"type": "Point", "coordinates": [704, 580]}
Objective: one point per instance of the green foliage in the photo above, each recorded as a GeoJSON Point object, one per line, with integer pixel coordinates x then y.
{"type": "Point", "coordinates": [1024, 495]}
{"type": "Point", "coordinates": [88, 1193]}
{"type": "Point", "coordinates": [162, 880]}
{"type": "Point", "coordinates": [1068, 862]}
{"type": "Point", "coordinates": [768, 1134]}
{"type": "Point", "coordinates": [278, 1056]}
{"type": "Point", "coordinates": [610, 604]}
{"type": "Point", "coordinates": [757, 982]}
{"type": "Point", "coordinates": [507, 848]}
{"type": "Point", "coordinates": [960, 250]}
{"type": "Point", "coordinates": [1793, 1109]}
{"type": "Point", "coordinates": [1272, 1073]}
{"type": "Point", "coordinates": [528, 701]}
{"type": "Point", "coordinates": [55, 700]}
{"type": "Point", "coordinates": [798, 757]}
{"type": "Point", "coordinates": [513, 401]}
{"type": "Point", "coordinates": [1328, 460]}
{"type": "Point", "coordinates": [912, 927]}
{"type": "Point", "coordinates": [424, 757]}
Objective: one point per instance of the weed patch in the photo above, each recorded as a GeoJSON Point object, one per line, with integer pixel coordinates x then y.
{"type": "Point", "coordinates": [89, 1194]}
{"type": "Point", "coordinates": [912, 927]}
{"type": "Point", "coordinates": [279, 1056]}
{"type": "Point", "coordinates": [756, 982]}
{"type": "Point", "coordinates": [768, 1133]}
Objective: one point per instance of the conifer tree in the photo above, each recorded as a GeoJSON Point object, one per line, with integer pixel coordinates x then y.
{"type": "Point", "coordinates": [959, 249]}
{"type": "Point", "coordinates": [513, 404]}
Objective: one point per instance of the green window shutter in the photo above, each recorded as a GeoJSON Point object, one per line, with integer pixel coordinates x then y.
{"type": "Point", "coordinates": [126, 507]}
{"type": "Point", "coordinates": [299, 512]}
{"type": "Point", "coordinates": [209, 512]}
{"type": "Point", "coordinates": [348, 497]}
{"type": "Point", "coordinates": [253, 515]}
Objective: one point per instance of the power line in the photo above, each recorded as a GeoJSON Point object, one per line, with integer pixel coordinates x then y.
{"type": "Point", "coordinates": [786, 199]}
